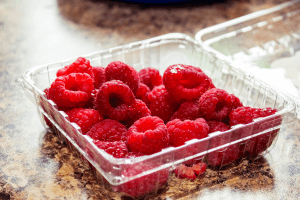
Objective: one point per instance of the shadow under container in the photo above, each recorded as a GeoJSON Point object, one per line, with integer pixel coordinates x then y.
{"type": "Point", "coordinates": [137, 176]}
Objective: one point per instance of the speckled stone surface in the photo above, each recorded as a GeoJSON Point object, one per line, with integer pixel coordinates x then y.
{"type": "Point", "coordinates": [36, 164]}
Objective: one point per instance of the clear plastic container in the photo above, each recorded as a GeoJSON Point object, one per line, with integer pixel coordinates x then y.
{"type": "Point", "coordinates": [267, 38]}
{"type": "Point", "coordinates": [152, 171]}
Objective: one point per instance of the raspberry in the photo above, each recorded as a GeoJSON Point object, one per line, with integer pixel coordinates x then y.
{"type": "Point", "coordinates": [142, 93]}
{"type": "Point", "coordinates": [145, 183]}
{"type": "Point", "coordinates": [81, 65]}
{"type": "Point", "coordinates": [217, 126]}
{"type": "Point", "coordinates": [108, 130]}
{"type": "Point", "coordinates": [46, 92]}
{"type": "Point", "coordinates": [191, 173]}
{"type": "Point", "coordinates": [216, 104]}
{"type": "Point", "coordinates": [182, 131]}
{"type": "Point", "coordinates": [99, 76]}
{"type": "Point", "coordinates": [199, 168]}
{"type": "Point", "coordinates": [187, 110]}
{"type": "Point", "coordinates": [150, 77]}
{"type": "Point", "coordinates": [223, 156]}
{"type": "Point", "coordinates": [123, 72]}
{"type": "Point", "coordinates": [73, 90]}
{"type": "Point", "coordinates": [134, 154]}
{"type": "Point", "coordinates": [148, 135]}
{"type": "Point", "coordinates": [185, 82]}
{"type": "Point", "coordinates": [139, 110]}
{"type": "Point", "coordinates": [161, 103]}
{"type": "Point", "coordinates": [114, 100]}
{"type": "Point", "coordinates": [117, 149]}
{"type": "Point", "coordinates": [84, 118]}
{"type": "Point", "coordinates": [185, 172]}
{"type": "Point", "coordinates": [245, 115]}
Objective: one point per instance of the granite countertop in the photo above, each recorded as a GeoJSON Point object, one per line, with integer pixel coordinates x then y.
{"type": "Point", "coordinates": [36, 164]}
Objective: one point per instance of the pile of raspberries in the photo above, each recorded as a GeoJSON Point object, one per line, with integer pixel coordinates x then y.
{"type": "Point", "coordinates": [129, 113]}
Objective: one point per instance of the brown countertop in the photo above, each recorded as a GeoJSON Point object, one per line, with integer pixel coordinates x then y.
{"type": "Point", "coordinates": [35, 164]}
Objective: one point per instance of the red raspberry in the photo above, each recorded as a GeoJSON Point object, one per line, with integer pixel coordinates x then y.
{"type": "Point", "coordinates": [183, 171]}
{"type": "Point", "coordinates": [185, 82]}
{"type": "Point", "coordinates": [117, 149]}
{"type": "Point", "coordinates": [99, 76]}
{"type": "Point", "coordinates": [134, 154]}
{"type": "Point", "coordinates": [139, 110]}
{"type": "Point", "coordinates": [84, 118]}
{"type": "Point", "coordinates": [108, 130]}
{"type": "Point", "coordinates": [182, 131]}
{"type": "Point", "coordinates": [73, 90]}
{"type": "Point", "coordinates": [245, 115]}
{"type": "Point", "coordinates": [161, 103]}
{"type": "Point", "coordinates": [150, 77]}
{"type": "Point", "coordinates": [223, 156]}
{"type": "Point", "coordinates": [81, 65]}
{"type": "Point", "coordinates": [142, 93]}
{"type": "Point", "coordinates": [187, 110]}
{"type": "Point", "coordinates": [114, 100]}
{"type": "Point", "coordinates": [199, 168]}
{"type": "Point", "coordinates": [145, 183]}
{"type": "Point", "coordinates": [216, 104]}
{"type": "Point", "coordinates": [120, 71]}
{"type": "Point", "coordinates": [46, 92]}
{"type": "Point", "coordinates": [217, 126]}
{"type": "Point", "coordinates": [148, 135]}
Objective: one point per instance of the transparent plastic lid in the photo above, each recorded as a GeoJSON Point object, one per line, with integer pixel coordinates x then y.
{"type": "Point", "coordinates": [266, 39]}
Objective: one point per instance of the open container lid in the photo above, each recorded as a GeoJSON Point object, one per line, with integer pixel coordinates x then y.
{"type": "Point", "coordinates": [266, 39]}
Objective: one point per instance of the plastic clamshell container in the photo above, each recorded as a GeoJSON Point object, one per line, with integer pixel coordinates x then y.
{"type": "Point", "coordinates": [258, 38]}
{"type": "Point", "coordinates": [161, 52]}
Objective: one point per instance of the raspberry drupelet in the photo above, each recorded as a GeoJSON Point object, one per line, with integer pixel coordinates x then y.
{"type": "Point", "coordinates": [120, 71]}
{"type": "Point", "coordinates": [186, 82]}
{"type": "Point", "coordinates": [115, 100]}
{"type": "Point", "coordinates": [70, 91]}
{"type": "Point", "coordinates": [148, 135]}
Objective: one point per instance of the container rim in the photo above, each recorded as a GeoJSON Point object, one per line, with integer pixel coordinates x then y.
{"type": "Point", "coordinates": [238, 20]}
